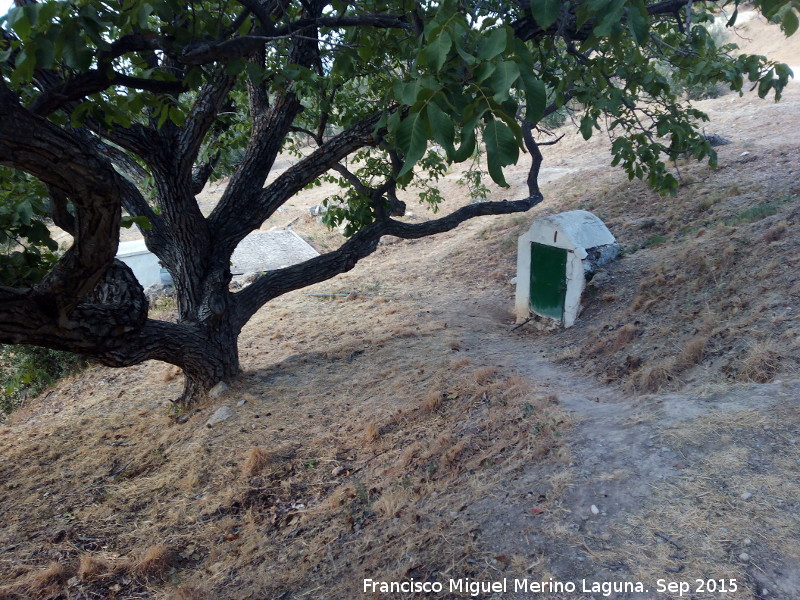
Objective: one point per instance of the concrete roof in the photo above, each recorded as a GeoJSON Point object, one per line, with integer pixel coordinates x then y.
{"type": "Point", "coordinates": [268, 250]}
{"type": "Point", "coordinates": [579, 228]}
{"type": "Point", "coordinates": [259, 251]}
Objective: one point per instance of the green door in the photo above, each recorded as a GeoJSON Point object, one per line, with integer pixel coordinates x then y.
{"type": "Point", "coordinates": [548, 280]}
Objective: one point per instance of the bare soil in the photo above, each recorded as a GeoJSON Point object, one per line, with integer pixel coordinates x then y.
{"type": "Point", "coordinates": [405, 431]}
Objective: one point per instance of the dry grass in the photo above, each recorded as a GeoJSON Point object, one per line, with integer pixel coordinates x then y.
{"type": "Point", "coordinates": [653, 378]}
{"type": "Point", "coordinates": [188, 592]}
{"type": "Point", "coordinates": [414, 436]}
{"type": "Point", "coordinates": [692, 353]}
{"type": "Point", "coordinates": [46, 582]}
{"type": "Point", "coordinates": [170, 373]}
{"type": "Point", "coordinates": [371, 432]}
{"type": "Point", "coordinates": [761, 363]}
{"type": "Point", "coordinates": [775, 233]}
{"type": "Point", "coordinates": [718, 282]}
{"type": "Point", "coordinates": [398, 392]}
{"type": "Point", "coordinates": [256, 461]}
{"type": "Point", "coordinates": [625, 335]}
{"type": "Point", "coordinates": [153, 563]}
{"type": "Point", "coordinates": [91, 568]}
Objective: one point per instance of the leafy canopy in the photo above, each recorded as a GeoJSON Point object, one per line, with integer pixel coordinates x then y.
{"type": "Point", "coordinates": [449, 78]}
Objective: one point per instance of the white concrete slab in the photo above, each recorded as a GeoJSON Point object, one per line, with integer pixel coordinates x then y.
{"type": "Point", "coordinates": [268, 250]}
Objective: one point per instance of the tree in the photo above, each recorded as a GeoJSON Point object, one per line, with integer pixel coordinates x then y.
{"type": "Point", "coordinates": [132, 105]}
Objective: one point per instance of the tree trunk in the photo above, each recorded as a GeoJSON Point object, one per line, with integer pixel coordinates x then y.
{"type": "Point", "coordinates": [214, 358]}
{"type": "Point", "coordinates": [205, 305]}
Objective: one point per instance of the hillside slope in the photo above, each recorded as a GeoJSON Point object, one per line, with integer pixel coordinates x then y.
{"type": "Point", "coordinates": [404, 431]}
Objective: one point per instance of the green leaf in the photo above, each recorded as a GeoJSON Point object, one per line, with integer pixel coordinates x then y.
{"type": "Point", "coordinates": [144, 12]}
{"type": "Point", "coordinates": [176, 116]}
{"type": "Point", "coordinates": [637, 21]}
{"type": "Point", "coordinates": [19, 22]}
{"type": "Point", "coordinates": [587, 124]}
{"type": "Point", "coordinates": [44, 54]}
{"type": "Point", "coordinates": [438, 49]}
{"type": "Point", "coordinates": [535, 96]}
{"type": "Point", "coordinates": [412, 139]}
{"type": "Point", "coordinates": [504, 76]}
{"type": "Point", "coordinates": [142, 222]}
{"type": "Point", "coordinates": [467, 147]}
{"type": "Point", "coordinates": [789, 22]}
{"type": "Point", "coordinates": [492, 44]}
{"type": "Point", "coordinates": [501, 149]}
{"type": "Point", "coordinates": [484, 71]}
{"type": "Point", "coordinates": [545, 12]}
{"type": "Point", "coordinates": [610, 19]}
{"type": "Point", "coordinates": [441, 128]}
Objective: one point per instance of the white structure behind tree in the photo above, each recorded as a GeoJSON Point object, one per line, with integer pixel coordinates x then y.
{"type": "Point", "coordinates": [555, 259]}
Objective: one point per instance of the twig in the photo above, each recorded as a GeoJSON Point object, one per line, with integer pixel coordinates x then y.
{"type": "Point", "coordinates": [664, 537]}
{"type": "Point", "coordinates": [529, 319]}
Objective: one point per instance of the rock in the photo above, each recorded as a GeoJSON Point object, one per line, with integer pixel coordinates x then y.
{"type": "Point", "coordinates": [744, 556]}
{"type": "Point", "coordinates": [337, 471]}
{"type": "Point", "coordinates": [716, 140]}
{"type": "Point", "coordinates": [218, 390]}
{"type": "Point", "coordinates": [158, 290]}
{"type": "Point", "coordinates": [747, 541]}
{"type": "Point", "coordinates": [222, 413]}
{"type": "Point", "coordinates": [389, 239]}
{"type": "Point", "coordinates": [600, 279]}
{"type": "Point", "coordinates": [595, 510]}
{"type": "Point", "coordinates": [316, 210]}
{"type": "Point", "coordinates": [746, 496]}
{"type": "Point", "coordinates": [241, 402]}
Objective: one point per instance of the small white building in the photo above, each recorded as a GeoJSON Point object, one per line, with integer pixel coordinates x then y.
{"type": "Point", "coordinates": [143, 263]}
{"type": "Point", "coordinates": [259, 251]}
{"type": "Point", "coordinates": [555, 258]}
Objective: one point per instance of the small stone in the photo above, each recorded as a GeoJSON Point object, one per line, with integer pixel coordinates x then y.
{"type": "Point", "coordinates": [764, 591]}
{"type": "Point", "coordinates": [600, 279]}
{"type": "Point", "coordinates": [747, 541]}
{"type": "Point", "coordinates": [241, 402]}
{"type": "Point", "coordinates": [337, 471]}
{"type": "Point", "coordinates": [595, 510]}
{"type": "Point", "coordinates": [222, 413]}
{"type": "Point", "coordinates": [744, 556]}
{"type": "Point", "coordinates": [714, 139]}
{"type": "Point", "coordinates": [746, 496]}
{"type": "Point", "coordinates": [745, 153]}
{"type": "Point", "coordinates": [218, 390]}
{"type": "Point", "coordinates": [606, 537]}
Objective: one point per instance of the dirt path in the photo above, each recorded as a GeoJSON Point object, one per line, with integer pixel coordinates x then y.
{"type": "Point", "coordinates": [672, 487]}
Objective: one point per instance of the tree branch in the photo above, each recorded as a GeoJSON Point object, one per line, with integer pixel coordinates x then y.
{"type": "Point", "coordinates": [93, 81]}
{"type": "Point", "coordinates": [225, 50]}
{"type": "Point", "coordinates": [527, 29]}
{"type": "Point", "coordinates": [36, 146]}
{"type": "Point", "coordinates": [275, 283]}
{"type": "Point", "coordinates": [202, 117]}
{"type": "Point", "coordinates": [231, 223]}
